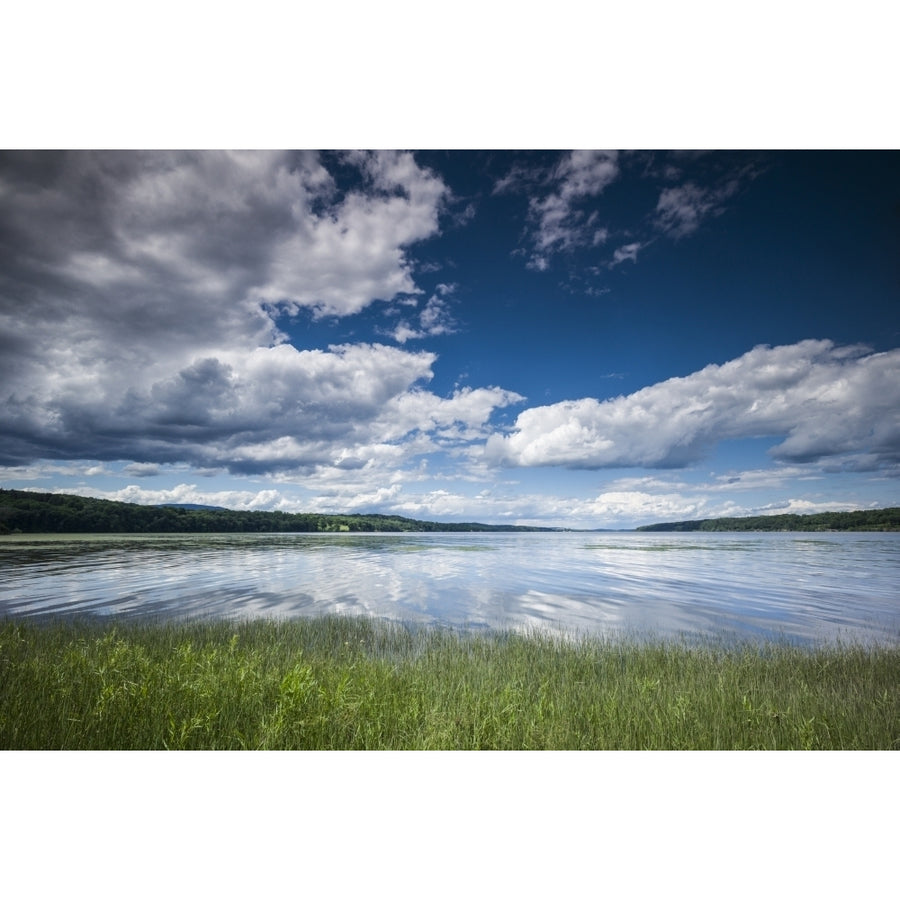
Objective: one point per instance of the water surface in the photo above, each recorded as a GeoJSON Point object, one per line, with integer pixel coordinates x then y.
{"type": "Point", "coordinates": [806, 588]}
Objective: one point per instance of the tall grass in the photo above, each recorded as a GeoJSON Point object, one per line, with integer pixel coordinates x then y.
{"type": "Point", "coordinates": [351, 683]}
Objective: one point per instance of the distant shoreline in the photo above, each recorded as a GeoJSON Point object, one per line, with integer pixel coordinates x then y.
{"type": "Point", "coordinates": [863, 520]}
{"type": "Point", "coordinates": [31, 512]}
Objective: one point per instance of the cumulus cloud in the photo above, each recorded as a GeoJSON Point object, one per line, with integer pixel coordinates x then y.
{"type": "Point", "coordinates": [141, 296]}
{"type": "Point", "coordinates": [207, 245]}
{"type": "Point", "coordinates": [628, 508]}
{"type": "Point", "coordinates": [825, 401]}
{"type": "Point", "coordinates": [189, 493]}
{"type": "Point", "coordinates": [271, 409]}
{"type": "Point", "coordinates": [338, 263]}
{"type": "Point", "coordinates": [608, 509]}
{"type": "Point", "coordinates": [641, 506]}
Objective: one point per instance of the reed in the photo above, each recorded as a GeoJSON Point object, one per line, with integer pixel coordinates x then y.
{"type": "Point", "coordinates": [354, 683]}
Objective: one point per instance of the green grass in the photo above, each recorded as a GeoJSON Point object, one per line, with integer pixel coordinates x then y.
{"type": "Point", "coordinates": [352, 683]}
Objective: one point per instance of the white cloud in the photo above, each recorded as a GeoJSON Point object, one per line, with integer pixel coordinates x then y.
{"type": "Point", "coordinates": [824, 400]}
{"type": "Point", "coordinates": [520, 178]}
{"type": "Point", "coordinates": [615, 507]}
{"type": "Point", "coordinates": [758, 479]}
{"type": "Point", "coordinates": [627, 509]}
{"type": "Point", "coordinates": [566, 216]}
{"type": "Point", "coordinates": [623, 503]}
{"type": "Point", "coordinates": [434, 319]}
{"type": "Point", "coordinates": [608, 509]}
{"type": "Point", "coordinates": [802, 507]}
{"type": "Point", "coordinates": [44, 470]}
{"type": "Point", "coordinates": [464, 414]}
{"type": "Point", "coordinates": [337, 264]}
{"type": "Point", "coordinates": [265, 409]}
{"type": "Point", "coordinates": [189, 493]}
{"type": "Point", "coordinates": [207, 246]}
{"type": "Point", "coordinates": [585, 173]}
{"type": "Point", "coordinates": [366, 499]}
{"type": "Point", "coordinates": [625, 253]}
{"type": "Point", "coordinates": [680, 210]}
{"type": "Point", "coordinates": [154, 283]}
{"type": "Point", "coordinates": [561, 224]}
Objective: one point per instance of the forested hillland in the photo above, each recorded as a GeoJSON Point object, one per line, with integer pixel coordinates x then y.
{"type": "Point", "coordinates": [861, 520]}
{"type": "Point", "coordinates": [29, 512]}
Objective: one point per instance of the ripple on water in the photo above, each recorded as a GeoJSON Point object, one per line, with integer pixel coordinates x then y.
{"type": "Point", "coordinates": [808, 588]}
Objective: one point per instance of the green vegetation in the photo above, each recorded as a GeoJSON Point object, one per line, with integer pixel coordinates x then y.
{"type": "Point", "coordinates": [28, 512]}
{"type": "Point", "coordinates": [352, 683]}
{"type": "Point", "coordinates": [861, 520]}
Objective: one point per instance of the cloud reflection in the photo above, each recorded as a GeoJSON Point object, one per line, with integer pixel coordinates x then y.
{"type": "Point", "coordinates": [633, 584]}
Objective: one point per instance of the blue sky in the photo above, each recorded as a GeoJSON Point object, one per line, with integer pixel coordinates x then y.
{"type": "Point", "coordinates": [593, 339]}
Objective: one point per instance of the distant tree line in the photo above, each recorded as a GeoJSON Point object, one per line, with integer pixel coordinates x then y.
{"type": "Point", "coordinates": [861, 520]}
{"type": "Point", "coordinates": [29, 512]}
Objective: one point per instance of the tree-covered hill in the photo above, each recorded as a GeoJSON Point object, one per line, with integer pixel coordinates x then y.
{"type": "Point", "coordinates": [28, 512]}
{"type": "Point", "coordinates": [860, 520]}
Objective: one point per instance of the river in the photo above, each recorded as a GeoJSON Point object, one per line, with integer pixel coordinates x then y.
{"type": "Point", "coordinates": [802, 587]}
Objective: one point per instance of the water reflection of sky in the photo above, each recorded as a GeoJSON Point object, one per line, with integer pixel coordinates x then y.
{"type": "Point", "coordinates": [799, 587]}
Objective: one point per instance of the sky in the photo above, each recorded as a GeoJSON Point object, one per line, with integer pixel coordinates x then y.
{"type": "Point", "coordinates": [584, 339]}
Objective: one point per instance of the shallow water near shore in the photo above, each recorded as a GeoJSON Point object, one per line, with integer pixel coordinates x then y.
{"type": "Point", "coordinates": [803, 588]}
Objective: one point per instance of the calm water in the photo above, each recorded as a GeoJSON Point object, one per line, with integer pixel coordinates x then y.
{"type": "Point", "coordinates": [801, 587]}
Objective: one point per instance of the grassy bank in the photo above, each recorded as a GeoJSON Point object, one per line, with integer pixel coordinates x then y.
{"type": "Point", "coordinates": [345, 683]}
